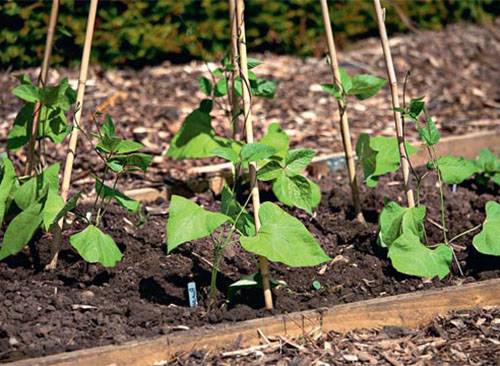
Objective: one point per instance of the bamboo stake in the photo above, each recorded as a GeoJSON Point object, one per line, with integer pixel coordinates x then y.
{"type": "Point", "coordinates": [41, 82]}
{"type": "Point", "coordinates": [344, 121]}
{"type": "Point", "coordinates": [235, 100]}
{"type": "Point", "coordinates": [391, 73]}
{"type": "Point", "coordinates": [68, 168]}
{"type": "Point", "coordinates": [264, 266]}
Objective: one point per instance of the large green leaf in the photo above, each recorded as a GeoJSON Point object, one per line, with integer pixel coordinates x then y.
{"type": "Point", "coordinates": [20, 230]}
{"type": "Point", "coordinates": [272, 170]}
{"type": "Point", "coordinates": [108, 192]}
{"type": "Point", "coordinates": [256, 151]}
{"type": "Point", "coordinates": [263, 88]}
{"type": "Point", "coordinates": [36, 187]}
{"type": "Point", "coordinates": [283, 238]}
{"type": "Point", "coordinates": [488, 162]}
{"type": "Point", "coordinates": [429, 133]}
{"type": "Point", "coordinates": [455, 169]}
{"type": "Point", "coordinates": [27, 92]}
{"type": "Point", "coordinates": [8, 176]}
{"type": "Point", "coordinates": [365, 86]}
{"type": "Point", "coordinates": [276, 138]}
{"type": "Point", "coordinates": [394, 220]}
{"type": "Point", "coordinates": [53, 124]}
{"type": "Point", "coordinates": [294, 191]}
{"type": "Point", "coordinates": [54, 203]}
{"type": "Point", "coordinates": [96, 247]}
{"type": "Point", "coordinates": [232, 208]}
{"type": "Point", "coordinates": [333, 90]}
{"type": "Point", "coordinates": [196, 138]}
{"type": "Point", "coordinates": [133, 161]}
{"type": "Point", "coordinates": [187, 221]}
{"type": "Point", "coordinates": [488, 240]}
{"type": "Point", "coordinates": [20, 132]}
{"type": "Point", "coordinates": [379, 155]}
{"type": "Point", "coordinates": [205, 85]}
{"type": "Point", "coordinates": [298, 159]}
{"type": "Point", "coordinates": [408, 255]}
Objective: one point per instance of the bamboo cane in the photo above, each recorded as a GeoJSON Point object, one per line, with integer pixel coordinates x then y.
{"type": "Point", "coordinates": [41, 82]}
{"type": "Point", "coordinates": [68, 168]}
{"type": "Point", "coordinates": [264, 266]}
{"type": "Point", "coordinates": [343, 118]}
{"type": "Point", "coordinates": [391, 74]}
{"type": "Point", "coordinates": [235, 102]}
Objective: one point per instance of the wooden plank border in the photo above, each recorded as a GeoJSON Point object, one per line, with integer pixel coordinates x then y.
{"type": "Point", "coordinates": [407, 310]}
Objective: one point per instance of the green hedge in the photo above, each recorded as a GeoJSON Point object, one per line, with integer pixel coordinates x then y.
{"type": "Point", "coordinates": [137, 33]}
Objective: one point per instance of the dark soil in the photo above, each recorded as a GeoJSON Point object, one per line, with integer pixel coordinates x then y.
{"type": "Point", "coordinates": [461, 338]}
{"type": "Point", "coordinates": [145, 295]}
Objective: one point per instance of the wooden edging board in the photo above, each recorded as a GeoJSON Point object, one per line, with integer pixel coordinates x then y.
{"type": "Point", "coordinates": [407, 310]}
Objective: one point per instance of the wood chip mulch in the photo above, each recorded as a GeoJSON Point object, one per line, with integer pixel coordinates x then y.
{"type": "Point", "coordinates": [462, 338]}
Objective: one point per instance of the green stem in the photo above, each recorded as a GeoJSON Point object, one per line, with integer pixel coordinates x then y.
{"type": "Point", "coordinates": [465, 233]}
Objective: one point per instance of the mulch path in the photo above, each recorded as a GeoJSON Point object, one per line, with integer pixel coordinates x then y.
{"type": "Point", "coordinates": [457, 69]}
{"type": "Point", "coordinates": [469, 337]}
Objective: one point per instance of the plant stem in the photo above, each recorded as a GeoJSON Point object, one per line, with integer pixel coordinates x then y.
{"type": "Point", "coordinates": [465, 233]}
{"type": "Point", "coordinates": [68, 168]}
{"type": "Point", "coordinates": [247, 112]}
{"type": "Point", "coordinates": [391, 73]}
{"type": "Point", "coordinates": [344, 120]}
{"type": "Point", "coordinates": [42, 79]}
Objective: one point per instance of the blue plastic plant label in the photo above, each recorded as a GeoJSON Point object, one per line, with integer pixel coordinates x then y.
{"type": "Point", "coordinates": [193, 299]}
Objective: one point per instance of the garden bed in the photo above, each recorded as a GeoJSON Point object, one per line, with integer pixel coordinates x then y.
{"type": "Point", "coordinates": [145, 295]}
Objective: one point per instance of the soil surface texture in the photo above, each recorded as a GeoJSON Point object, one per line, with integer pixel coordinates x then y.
{"type": "Point", "coordinates": [145, 295]}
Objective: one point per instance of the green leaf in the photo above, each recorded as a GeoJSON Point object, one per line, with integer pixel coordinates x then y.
{"type": "Point", "coordinates": [7, 184]}
{"type": "Point", "coordinates": [108, 127]}
{"type": "Point", "coordinates": [256, 151]}
{"type": "Point", "coordinates": [253, 280]}
{"type": "Point", "coordinates": [416, 107]}
{"type": "Point", "coordinates": [488, 240]}
{"type": "Point", "coordinates": [104, 191]}
{"type": "Point", "coordinates": [196, 138]}
{"type": "Point", "coordinates": [487, 162]}
{"type": "Point", "coordinates": [365, 86]}
{"type": "Point", "coordinates": [298, 159]}
{"type": "Point", "coordinates": [283, 238]}
{"type": "Point", "coordinates": [94, 246]}
{"type": "Point", "coordinates": [315, 193]}
{"type": "Point", "coordinates": [496, 178]}
{"type": "Point", "coordinates": [333, 90]}
{"type": "Point", "coordinates": [221, 87]}
{"type": "Point", "coordinates": [270, 171]}
{"type": "Point", "coordinates": [232, 208]}
{"type": "Point", "coordinates": [187, 221]}
{"type": "Point", "coordinates": [253, 63]}
{"type": "Point", "coordinates": [54, 203]}
{"type": "Point", "coordinates": [55, 126]}
{"type": "Point", "coordinates": [69, 206]}
{"type": "Point", "coordinates": [429, 133]}
{"type": "Point", "coordinates": [20, 132]}
{"type": "Point", "coordinates": [379, 155]}
{"type": "Point", "coordinates": [205, 85]}
{"type": "Point", "coordinates": [455, 169]}
{"type": "Point", "coordinates": [36, 187]}
{"type": "Point", "coordinates": [264, 88]}
{"type": "Point", "coordinates": [316, 285]}
{"type": "Point", "coordinates": [230, 152]}
{"type": "Point", "coordinates": [408, 255]}
{"type": "Point", "coordinates": [394, 220]}
{"type": "Point", "coordinates": [294, 191]}
{"type": "Point", "coordinates": [345, 80]}
{"type": "Point", "coordinates": [130, 162]}
{"type": "Point", "coordinates": [27, 92]}
{"type": "Point", "coordinates": [276, 138]}
{"type": "Point", "coordinates": [127, 146]}
{"type": "Point", "coordinates": [20, 230]}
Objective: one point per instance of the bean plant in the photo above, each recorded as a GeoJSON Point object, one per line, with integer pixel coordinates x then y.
{"type": "Point", "coordinates": [281, 238]}
{"type": "Point", "coordinates": [402, 230]}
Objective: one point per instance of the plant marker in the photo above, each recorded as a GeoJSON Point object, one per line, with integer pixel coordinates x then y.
{"type": "Point", "coordinates": [247, 113]}
{"type": "Point", "coordinates": [193, 299]}
{"type": "Point", "coordinates": [395, 102]}
{"type": "Point", "coordinates": [68, 168]}
{"type": "Point", "coordinates": [344, 121]}
{"type": "Point", "coordinates": [30, 163]}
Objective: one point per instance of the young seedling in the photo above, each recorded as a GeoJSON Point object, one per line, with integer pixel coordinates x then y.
{"type": "Point", "coordinates": [120, 156]}
{"type": "Point", "coordinates": [340, 89]}
{"type": "Point", "coordinates": [402, 230]}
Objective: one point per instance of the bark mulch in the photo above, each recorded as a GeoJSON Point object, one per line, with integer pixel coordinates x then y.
{"type": "Point", "coordinates": [469, 337]}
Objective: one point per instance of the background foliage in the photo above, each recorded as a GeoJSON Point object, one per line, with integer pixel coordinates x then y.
{"type": "Point", "coordinates": [137, 33]}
